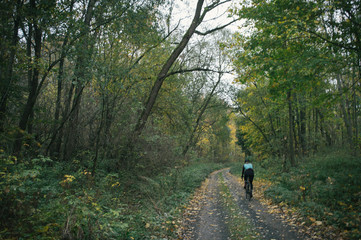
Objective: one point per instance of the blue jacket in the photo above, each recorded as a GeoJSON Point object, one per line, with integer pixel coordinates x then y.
{"type": "Point", "coordinates": [246, 167]}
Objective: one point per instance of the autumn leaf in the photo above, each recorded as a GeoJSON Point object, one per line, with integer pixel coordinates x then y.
{"type": "Point", "coordinates": [318, 223]}
{"type": "Point", "coordinates": [312, 219]}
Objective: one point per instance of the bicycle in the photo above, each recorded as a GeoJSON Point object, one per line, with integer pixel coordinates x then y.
{"type": "Point", "coordinates": [248, 190]}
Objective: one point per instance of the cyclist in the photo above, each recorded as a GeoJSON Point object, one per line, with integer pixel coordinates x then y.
{"type": "Point", "coordinates": [247, 172]}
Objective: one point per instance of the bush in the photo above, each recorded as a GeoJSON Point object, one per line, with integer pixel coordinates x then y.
{"type": "Point", "coordinates": [43, 199]}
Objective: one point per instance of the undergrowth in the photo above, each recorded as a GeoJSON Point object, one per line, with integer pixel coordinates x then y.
{"type": "Point", "coordinates": [45, 199]}
{"type": "Point", "coordinates": [325, 189]}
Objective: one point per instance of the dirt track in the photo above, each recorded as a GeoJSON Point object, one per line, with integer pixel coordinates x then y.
{"type": "Point", "coordinates": [207, 219]}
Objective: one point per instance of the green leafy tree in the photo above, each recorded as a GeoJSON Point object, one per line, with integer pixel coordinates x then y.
{"type": "Point", "coordinates": [286, 54]}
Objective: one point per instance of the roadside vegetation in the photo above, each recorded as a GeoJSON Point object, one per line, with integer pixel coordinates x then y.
{"type": "Point", "coordinates": [46, 199]}
{"type": "Point", "coordinates": [322, 192]}
{"type": "Point", "coordinates": [111, 114]}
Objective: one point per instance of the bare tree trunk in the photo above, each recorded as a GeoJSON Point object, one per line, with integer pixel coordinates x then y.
{"type": "Point", "coordinates": [290, 130]}
{"type": "Point", "coordinates": [54, 150]}
{"type": "Point", "coordinates": [302, 133]}
{"type": "Point", "coordinates": [98, 137]}
{"type": "Point", "coordinates": [345, 115]}
{"type": "Point", "coordinates": [65, 116]}
{"type": "Point", "coordinates": [354, 111]}
{"type": "Point", "coordinates": [309, 129]}
{"type": "Point", "coordinates": [315, 116]}
{"type": "Point", "coordinates": [296, 124]}
{"type": "Point", "coordinates": [82, 62]}
{"type": "Point", "coordinates": [6, 71]}
{"type": "Point", "coordinates": [57, 136]}
{"type": "Point", "coordinates": [72, 138]}
{"type": "Point", "coordinates": [33, 87]}
{"type": "Point", "coordinates": [273, 130]}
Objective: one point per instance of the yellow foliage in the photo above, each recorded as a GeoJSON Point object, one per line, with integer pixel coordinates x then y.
{"type": "Point", "coordinates": [68, 179]}
{"type": "Point", "coordinates": [46, 228]}
{"type": "Point", "coordinates": [85, 172]}
{"type": "Point", "coordinates": [117, 184]}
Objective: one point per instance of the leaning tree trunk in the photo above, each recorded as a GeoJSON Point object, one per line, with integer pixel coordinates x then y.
{"type": "Point", "coordinates": [163, 73]}
{"type": "Point", "coordinates": [33, 86]}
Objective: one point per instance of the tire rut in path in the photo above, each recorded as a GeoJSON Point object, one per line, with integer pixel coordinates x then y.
{"type": "Point", "coordinates": [209, 220]}
{"type": "Point", "coordinates": [270, 226]}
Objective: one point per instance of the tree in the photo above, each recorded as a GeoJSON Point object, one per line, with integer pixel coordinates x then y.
{"type": "Point", "coordinates": [197, 19]}
{"type": "Point", "coordinates": [292, 52]}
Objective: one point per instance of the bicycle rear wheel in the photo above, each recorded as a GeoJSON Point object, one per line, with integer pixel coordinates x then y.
{"type": "Point", "coordinates": [248, 191]}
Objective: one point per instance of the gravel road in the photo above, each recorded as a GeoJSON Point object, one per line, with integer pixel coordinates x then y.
{"type": "Point", "coordinates": [206, 219]}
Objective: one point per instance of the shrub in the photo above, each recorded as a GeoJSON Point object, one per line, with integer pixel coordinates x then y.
{"type": "Point", "coordinates": [43, 199]}
{"type": "Point", "coordinates": [280, 194]}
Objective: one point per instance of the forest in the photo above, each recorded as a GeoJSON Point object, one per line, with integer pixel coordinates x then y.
{"type": "Point", "coordinates": [113, 112]}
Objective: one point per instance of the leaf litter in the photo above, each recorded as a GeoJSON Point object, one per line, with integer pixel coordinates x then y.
{"type": "Point", "coordinates": [270, 221]}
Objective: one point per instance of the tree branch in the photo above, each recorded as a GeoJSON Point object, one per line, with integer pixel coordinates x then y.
{"type": "Point", "coordinates": [216, 29]}
{"type": "Point", "coordinates": [165, 68]}
{"type": "Point", "coordinates": [210, 8]}
{"type": "Point", "coordinates": [198, 69]}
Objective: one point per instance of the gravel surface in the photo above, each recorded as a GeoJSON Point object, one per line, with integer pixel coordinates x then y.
{"type": "Point", "coordinates": [206, 219]}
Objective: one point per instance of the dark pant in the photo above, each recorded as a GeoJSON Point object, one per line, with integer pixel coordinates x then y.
{"type": "Point", "coordinates": [250, 175]}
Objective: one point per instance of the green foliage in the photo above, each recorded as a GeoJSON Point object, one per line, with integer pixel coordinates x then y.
{"type": "Point", "coordinates": [42, 199]}
{"type": "Point", "coordinates": [280, 194]}
{"type": "Point", "coordinates": [24, 188]}
{"type": "Point", "coordinates": [325, 187]}
{"type": "Point", "coordinates": [242, 141]}
{"type": "Point", "coordinates": [287, 65]}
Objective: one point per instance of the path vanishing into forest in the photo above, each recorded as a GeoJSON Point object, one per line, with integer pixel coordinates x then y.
{"type": "Point", "coordinates": [207, 217]}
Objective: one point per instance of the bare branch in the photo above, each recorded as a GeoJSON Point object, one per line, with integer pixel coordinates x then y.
{"type": "Point", "coordinates": [217, 28]}
{"type": "Point", "coordinates": [210, 8]}
{"type": "Point", "coordinates": [198, 69]}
